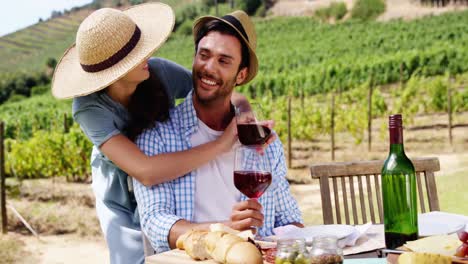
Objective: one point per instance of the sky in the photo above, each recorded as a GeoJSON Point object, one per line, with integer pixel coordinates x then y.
{"type": "Point", "coordinates": [18, 14]}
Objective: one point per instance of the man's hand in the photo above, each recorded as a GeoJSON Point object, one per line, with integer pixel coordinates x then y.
{"type": "Point", "coordinates": [246, 214]}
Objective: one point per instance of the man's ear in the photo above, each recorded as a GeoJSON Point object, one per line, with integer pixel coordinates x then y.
{"type": "Point", "coordinates": [241, 75]}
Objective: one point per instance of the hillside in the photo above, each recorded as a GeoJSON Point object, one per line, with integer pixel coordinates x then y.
{"type": "Point", "coordinates": [28, 49]}
{"type": "Point", "coordinates": [395, 9]}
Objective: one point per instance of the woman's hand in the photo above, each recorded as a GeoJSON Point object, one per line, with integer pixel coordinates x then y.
{"type": "Point", "coordinates": [229, 136]}
{"type": "Point", "coordinates": [272, 137]}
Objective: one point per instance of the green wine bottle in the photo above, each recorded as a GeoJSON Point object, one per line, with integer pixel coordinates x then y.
{"type": "Point", "coordinates": [399, 190]}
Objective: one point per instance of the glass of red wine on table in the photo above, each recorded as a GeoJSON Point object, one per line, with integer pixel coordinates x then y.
{"type": "Point", "coordinates": [252, 174]}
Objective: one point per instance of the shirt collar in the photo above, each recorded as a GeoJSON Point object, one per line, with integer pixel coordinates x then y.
{"type": "Point", "coordinates": [188, 115]}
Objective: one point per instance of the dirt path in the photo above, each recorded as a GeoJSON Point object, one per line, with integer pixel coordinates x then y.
{"type": "Point", "coordinates": [70, 249]}
{"type": "Point", "coordinates": [394, 8]}
{"type": "Point", "coordinates": [409, 10]}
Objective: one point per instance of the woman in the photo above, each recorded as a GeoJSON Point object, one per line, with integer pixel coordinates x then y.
{"type": "Point", "coordinates": [110, 77]}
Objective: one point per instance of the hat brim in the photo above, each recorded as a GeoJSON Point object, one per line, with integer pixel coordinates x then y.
{"type": "Point", "coordinates": [253, 63]}
{"type": "Point", "coordinates": [155, 20]}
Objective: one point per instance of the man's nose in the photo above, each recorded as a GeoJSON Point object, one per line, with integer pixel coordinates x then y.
{"type": "Point", "coordinates": [210, 66]}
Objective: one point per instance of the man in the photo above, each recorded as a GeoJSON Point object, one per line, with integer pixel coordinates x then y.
{"type": "Point", "coordinates": [225, 57]}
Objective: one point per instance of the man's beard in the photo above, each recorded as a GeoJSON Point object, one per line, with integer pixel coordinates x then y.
{"type": "Point", "coordinates": [219, 95]}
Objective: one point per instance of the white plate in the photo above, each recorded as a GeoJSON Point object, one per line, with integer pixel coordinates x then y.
{"type": "Point", "coordinates": [340, 231]}
{"type": "Point", "coordinates": [428, 226]}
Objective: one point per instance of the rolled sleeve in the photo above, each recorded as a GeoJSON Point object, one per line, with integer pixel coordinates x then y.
{"type": "Point", "coordinates": [155, 203]}
{"type": "Point", "coordinates": [97, 123]}
{"type": "Point", "coordinates": [156, 206]}
{"type": "Point", "coordinates": [286, 207]}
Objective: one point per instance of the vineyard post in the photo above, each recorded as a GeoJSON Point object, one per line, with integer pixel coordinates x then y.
{"type": "Point", "coordinates": [65, 124]}
{"type": "Point", "coordinates": [302, 97]}
{"type": "Point", "coordinates": [332, 125]}
{"type": "Point", "coordinates": [289, 134]}
{"type": "Point", "coordinates": [449, 109]}
{"type": "Point", "coordinates": [216, 4]}
{"type": "Point", "coordinates": [401, 75]}
{"type": "Point", "coordinates": [369, 114]}
{"type": "Point", "coordinates": [2, 181]}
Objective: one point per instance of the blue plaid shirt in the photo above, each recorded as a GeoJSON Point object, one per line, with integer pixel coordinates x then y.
{"type": "Point", "coordinates": [162, 205]}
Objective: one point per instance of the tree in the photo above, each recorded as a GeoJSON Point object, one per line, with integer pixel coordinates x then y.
{"type": "Point", "coordinates": [51, 63]}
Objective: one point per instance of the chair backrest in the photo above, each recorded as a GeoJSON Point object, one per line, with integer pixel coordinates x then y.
{"type": "Point", "coordinates": [352, 189]}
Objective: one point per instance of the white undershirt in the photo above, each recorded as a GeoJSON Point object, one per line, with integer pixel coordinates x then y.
{"type": "Point", "coordinates": [215, 193]}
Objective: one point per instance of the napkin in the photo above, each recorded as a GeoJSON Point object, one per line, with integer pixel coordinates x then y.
{"type": "Point", "coordinates": [281, 231]}
{"type": "Point", "coordinates": [350, 240]}
{"type": "Point", "coordinates": [353, 237]}
{"type": "Point", "coordinates": [364, 238]}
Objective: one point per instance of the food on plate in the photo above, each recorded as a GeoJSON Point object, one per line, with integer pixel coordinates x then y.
{"type": "Point", "coordinates": [463, 236]}
{"type": "Point", "coordinates": [441, 244]}
{"type": "Point", "coordinates": [223, 245]}
{"type": "Point", "coordinates": [296, 258]}
{"type": "Point", "coordinates": [194, 245]}
{"type": "Point", "coordinates": [211, 239]}
{"type": "Point", "coordinates": [223, 228]}
{"type": "Point", "coordinates": [244, 253]}
{"type": "Point", "coordinates": [462, 251]}
{"type": "Point", "coordinates": [269, 254]}
{"type": "Point", "coordinates": [327, 259]}
{"type": "Point", "coordinates": [292, 251]}
{"type": "Point", "coordinates": [180, 240]}
{"type": "Point", "coordinates": [423, 258]}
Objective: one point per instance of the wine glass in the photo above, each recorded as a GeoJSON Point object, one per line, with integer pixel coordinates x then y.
{"type": "Point", "coordinates": [252, 174]}
{"type": "Point", "coordinates": [250, 132]}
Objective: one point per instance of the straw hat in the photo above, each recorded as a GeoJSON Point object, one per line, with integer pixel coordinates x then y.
{"type": "Point", "coordinates": [109, 44]}
{"type": "Point", "coordinates": [242, 23]}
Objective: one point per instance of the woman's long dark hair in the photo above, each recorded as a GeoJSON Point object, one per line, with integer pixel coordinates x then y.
{"type": "Point", "coordinates": [148, 104]}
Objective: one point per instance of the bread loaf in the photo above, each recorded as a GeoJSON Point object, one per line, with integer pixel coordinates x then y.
{"type": "Point", "coordinates": [244, 253]}
{"type": "Point", "coordinates": [222, 246]}
{"type": "Point", "coordinates": [194, 245]}
{"type": "Point", "coordinates": [180, 240]}
{"type": "Point", "coordinates": [211, 239]}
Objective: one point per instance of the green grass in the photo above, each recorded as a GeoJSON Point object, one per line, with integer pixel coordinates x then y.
{"type": "Point", "coordinates": [52, 207]}
{"type": "Point", "coordinates": [11, 249]}
{"type": "Point", "coordinates": [452, 191]}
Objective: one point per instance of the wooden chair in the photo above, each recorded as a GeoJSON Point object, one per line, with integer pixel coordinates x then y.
{"type": "Point", "coordinates": [343, 187]}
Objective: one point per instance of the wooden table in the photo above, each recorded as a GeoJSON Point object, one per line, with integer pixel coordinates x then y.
{"type": "Point", "coordinates": [179, 257]}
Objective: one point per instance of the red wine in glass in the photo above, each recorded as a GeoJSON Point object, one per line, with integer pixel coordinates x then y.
{"type": "Point", "coordinates": [252, 134]}
{"type": "Point", "coordinates": [252, 183]}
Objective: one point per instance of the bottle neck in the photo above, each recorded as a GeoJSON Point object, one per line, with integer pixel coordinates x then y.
{"type": "Point", "coordinates": [396, 140]}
